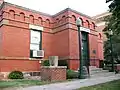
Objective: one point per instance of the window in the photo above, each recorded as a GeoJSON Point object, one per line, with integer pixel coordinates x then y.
{"type": "Point", "coordinates": [93, 25]}
{"type": "Point", "coordinates": [31, 18]}
{"type": "Point", "coordinates": [81, 21]}
{"type": "Point", "coordinates": [88, 24]}
{"type": "Point", "coordinates": [40, 21]}
{"type": "Point", "coordinates": [47, 22]}
{"type": "Point", "coordinates": [22, 16]}
{"type": "Point", "coordinates": [12, 14]}
{"type": "Point", "coordinates": [35, 41]}
{"type": "Point", "coordinates": [73, 19]}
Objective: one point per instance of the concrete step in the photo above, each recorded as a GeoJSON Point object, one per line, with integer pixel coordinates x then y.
{"type": "Point", "coordinates": [105, 74]}
{"type": "Point", "coordinates": [91, 67]}
{"type": "Point", "coordinates": [97, 72]}
{"type": "Point", "coordinates": [96, 69]}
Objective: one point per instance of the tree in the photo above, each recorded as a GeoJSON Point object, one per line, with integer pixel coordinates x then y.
{"type": "Point", "coordinates": [113, 23]}
{"type": "Point", "coordinates": [116, 49]}
{"type": "Point", "coordinates": [114, 20]}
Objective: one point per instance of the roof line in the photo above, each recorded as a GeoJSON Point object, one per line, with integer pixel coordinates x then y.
{"type": "Point", "coordinates": [69, 9]}
{"type": "Point", "coordinates": [35, 11]}
{"type": "Point", "coordinates": [80, 13]}
{"type": "Point", "coordinates": [60, 12]}
{"type": "Point", "coordinates": [27, 9]}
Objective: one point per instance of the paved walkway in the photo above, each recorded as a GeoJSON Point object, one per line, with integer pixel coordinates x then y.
{"type": "Point", "coordinates": [71, 85]}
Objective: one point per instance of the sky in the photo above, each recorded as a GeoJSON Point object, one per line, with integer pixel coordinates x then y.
{"type": "Point", "coordinates": [88, 7]}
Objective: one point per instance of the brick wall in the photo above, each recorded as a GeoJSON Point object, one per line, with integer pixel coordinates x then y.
{"type": "Point", "coordinates": [53, 73]}
{"type": "Point", "coordinates": [59, 37]}
{"type": "Point", "coordinates": [60, 44]}
{"type": "Point", "coordinates": [74, 64]}
{"type": "Point", "coordinates": [16, 42]}
{"type": "Point", "coordinates": [21, 65]}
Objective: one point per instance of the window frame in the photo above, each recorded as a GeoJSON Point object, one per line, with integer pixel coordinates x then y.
{"type": "Point", "coordinates": [40, 43]}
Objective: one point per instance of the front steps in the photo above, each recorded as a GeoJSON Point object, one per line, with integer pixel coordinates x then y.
{"type": "Point", "coordinates": [97, 72]}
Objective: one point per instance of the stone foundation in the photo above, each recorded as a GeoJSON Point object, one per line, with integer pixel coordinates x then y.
{"type": "Point", "coordinates": [52, 73]}
{"type": "Point", "coordinates": [4, 75]}
{"type": "Point", "coordinates": [1, 76]}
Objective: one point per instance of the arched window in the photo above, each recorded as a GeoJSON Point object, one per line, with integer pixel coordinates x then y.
{"type": "Point", "coordinates": [31, 18]}
{"type": "Point", "coordinates": [73, 19]}
{"type": "Point", "coordinates": [47, 22]}
{"type": "Point", "coordinates": [22, 16]}
{"type": "Point", "coordinates": [87, 24]}
{"type": "Point", "coordinates": [40, 20]}
{"type": "Point", "coordinates": [81, 20]}
{"type": "Point", "coordinates": [12, 14]}
{"type": "Point", "coordinates": [93, 25]}
{"type": "Point", "coordinates": [63, 19]}
{"type": "Point", "coordinates": [57, 20]}
{"type": "Point", "coordinates": [100, 35]}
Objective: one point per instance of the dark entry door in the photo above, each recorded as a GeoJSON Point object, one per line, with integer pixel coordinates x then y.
{"type": "Point", "coordinates": [85, 51]}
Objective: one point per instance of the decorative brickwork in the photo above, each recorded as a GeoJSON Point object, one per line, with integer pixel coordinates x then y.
{"type": "Point", "coordinates": [51, 73]}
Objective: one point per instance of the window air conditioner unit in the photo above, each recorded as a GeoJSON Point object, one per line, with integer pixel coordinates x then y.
{"type": "Point", "coordinates": [39, 53]}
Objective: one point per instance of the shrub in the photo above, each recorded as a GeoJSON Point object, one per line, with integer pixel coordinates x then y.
{"type": "Point", "coordinates": [45, 63]}
{"type": "Point", "coordinates": [16, 75]}
{"type": "Point", "coordinates": [71, 74]}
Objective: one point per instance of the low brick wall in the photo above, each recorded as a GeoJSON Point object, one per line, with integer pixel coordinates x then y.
{"type": "Point", "coordinates": [52, 73]}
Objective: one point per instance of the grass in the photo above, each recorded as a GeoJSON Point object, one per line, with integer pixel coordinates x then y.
{"type": "Point", "coordinates": [20, 83]}
{"type": "Point", "coordinates": [25, 83]}
{"type": "Point", "coordinates": [113, 85]}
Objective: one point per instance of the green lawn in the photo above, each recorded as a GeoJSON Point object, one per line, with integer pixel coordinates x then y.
{"type": "Point", "coordinates": [24, 83]}
{"type": "Point", "coordinates": [18, 83]}
{"type": "Point", "coordinates": [113, 85]}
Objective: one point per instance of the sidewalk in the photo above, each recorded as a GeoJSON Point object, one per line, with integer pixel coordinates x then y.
{"type": "Point", "coordinates": [71, 85]}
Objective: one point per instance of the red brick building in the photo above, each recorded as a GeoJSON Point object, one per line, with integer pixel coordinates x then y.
{"type": "Point", "coordinates": [23, 30]}
{"type": "Point", "coordinates": [100, 23]}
